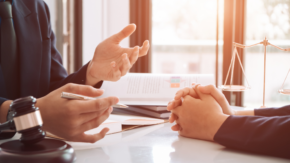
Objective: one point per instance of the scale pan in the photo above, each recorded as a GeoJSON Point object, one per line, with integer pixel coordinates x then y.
{"type": "Point", "coordinates": [235, 88]}
{"type": "Point", "coordinates": [284, 91]}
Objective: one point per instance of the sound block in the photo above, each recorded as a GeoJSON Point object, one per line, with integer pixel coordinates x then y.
{"type": "Point", "coordinates": [45, 151]}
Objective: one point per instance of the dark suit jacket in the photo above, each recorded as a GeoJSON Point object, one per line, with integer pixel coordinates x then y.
{"type": "Point", "coordinates": [268, 132]}
{"type": "Point", "coordinates": [41, 69]}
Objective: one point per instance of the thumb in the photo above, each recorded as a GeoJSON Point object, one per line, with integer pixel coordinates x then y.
{"type": "Point", "coordinates": [216, 94]}
{"type": "Point", "coordinates": [126, 32]}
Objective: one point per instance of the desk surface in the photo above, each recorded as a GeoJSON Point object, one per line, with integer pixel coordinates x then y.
{"type": "Point", "coordinates": [158, 144]}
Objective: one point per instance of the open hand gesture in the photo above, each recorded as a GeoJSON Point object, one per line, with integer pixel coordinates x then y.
{"type": "Point", "coordinates": [111, 61]}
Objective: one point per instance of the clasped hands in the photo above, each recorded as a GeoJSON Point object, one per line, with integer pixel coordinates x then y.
{"type": "Point", "coordinates": [199, 111]}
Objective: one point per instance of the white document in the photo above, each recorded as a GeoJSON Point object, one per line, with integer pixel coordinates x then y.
{"type": "Point", "coordinates": [151, 89]}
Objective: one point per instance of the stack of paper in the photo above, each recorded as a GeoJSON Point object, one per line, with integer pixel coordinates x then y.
{"type": "Point", "coordinates": [152, 111]}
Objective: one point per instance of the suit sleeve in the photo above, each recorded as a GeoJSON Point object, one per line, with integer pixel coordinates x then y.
{"type": "Point", "coordinates": [268, 112]}
{"type": "Point", "coordinates": [257, 134]}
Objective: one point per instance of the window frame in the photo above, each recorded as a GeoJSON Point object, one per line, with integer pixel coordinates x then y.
{"type": "Point", "coordinates": [78, 34]}
{"type": "Point", "coordinates": [141, 15]}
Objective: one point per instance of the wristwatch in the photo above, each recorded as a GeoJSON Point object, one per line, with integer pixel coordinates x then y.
{"type": "Point", "coordinates": [10, 114]}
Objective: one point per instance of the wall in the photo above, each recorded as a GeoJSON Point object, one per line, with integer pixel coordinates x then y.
{"type": "Point", "coordinates": [101, 19]}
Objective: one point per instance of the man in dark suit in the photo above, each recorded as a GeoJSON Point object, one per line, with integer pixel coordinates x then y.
{"type": "Point", "coordinates": [32, 66]}
{"type": "Point", "coordinates": [205, 114]}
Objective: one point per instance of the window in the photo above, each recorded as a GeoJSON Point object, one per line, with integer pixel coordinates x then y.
{"type": "Point", "coordinates": [80, 25]}
{"type": "Point", "coordinates": [268, 18]}
{"type": "Point", "coordinates": [61, 12]}
{"type": "Point", "coordinates": [101, 19]}
{"type": "Point", "coordinates": [184, 36]}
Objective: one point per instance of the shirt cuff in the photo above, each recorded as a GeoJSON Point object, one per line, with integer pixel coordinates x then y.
{"type": "Point", "coordinates": [83, 76]}
{"type": "Point", "coordinates": [2, 100]}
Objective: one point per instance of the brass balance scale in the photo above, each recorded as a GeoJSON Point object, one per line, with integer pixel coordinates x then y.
{"type": "Point", "coordinates": [240, 88]}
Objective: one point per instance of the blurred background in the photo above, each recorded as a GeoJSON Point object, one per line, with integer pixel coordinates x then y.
{"type": "Point", "coordinates": [187, 37]}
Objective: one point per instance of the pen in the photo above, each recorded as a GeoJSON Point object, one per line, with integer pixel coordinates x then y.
{"type": "Point", "coordinates": [72, 96]}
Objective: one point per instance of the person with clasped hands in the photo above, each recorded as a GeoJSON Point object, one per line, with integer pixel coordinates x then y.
{"type": "Point", "coordinates": [202, 112]}
{"type": "Point", "coordinates": [47, 78]}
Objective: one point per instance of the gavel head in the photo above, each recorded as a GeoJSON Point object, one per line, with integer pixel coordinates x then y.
{"type": "Point", "coordinates": [27, 120]}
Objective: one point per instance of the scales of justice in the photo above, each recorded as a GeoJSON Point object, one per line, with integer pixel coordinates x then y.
{"type": "Point", "coordinates": [240, 88]}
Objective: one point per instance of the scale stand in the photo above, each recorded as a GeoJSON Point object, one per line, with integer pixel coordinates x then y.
{"type": "Point", "coordinates": [239, 88]}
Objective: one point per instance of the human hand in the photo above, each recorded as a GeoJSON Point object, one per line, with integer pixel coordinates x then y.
{"type": "Point", "coordinates": [218, 96]}
{"type": "Point", "coordinates": [223, 102]}
{"type": "Point", "coordinates": [179, 97]}
{"type": "Point", "coordinates": [208, 89]}
{"type": "Point", "coordinates": [199, 118]}
{"type": "Point", "coordinates": [178, 100]}
{"type": "Point", "coordinates": [111, 61]}
{"type": "Point", "coordinates": [69, 119]}
{"type": "Point", "coordinates": [4, 110]}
